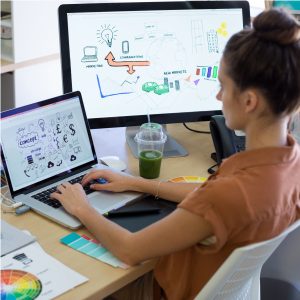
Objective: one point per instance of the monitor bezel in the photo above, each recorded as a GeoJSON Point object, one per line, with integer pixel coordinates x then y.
{"type": "Point", "coordinates": [135, 120]}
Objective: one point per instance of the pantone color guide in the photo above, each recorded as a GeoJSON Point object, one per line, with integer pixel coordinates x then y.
{"type": "Point", "coordinates": [30, 273]}
{"type": "Point", "coordinates": [88, 246]}
{"type": "Point", "coordinates": [17, 284]}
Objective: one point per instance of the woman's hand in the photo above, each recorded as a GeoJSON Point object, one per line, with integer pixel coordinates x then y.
{"type": "Point", "coordinates": [72, 197]}
{"type": "Point", "coordinates": [116, 182]}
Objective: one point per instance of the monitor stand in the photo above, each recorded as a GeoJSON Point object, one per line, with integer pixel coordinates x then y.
{"type": "Point", "coordinates": [171, 149]}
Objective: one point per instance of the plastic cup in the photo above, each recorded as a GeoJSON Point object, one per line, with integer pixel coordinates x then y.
{"type": "Point", "coordinates": [150, 143]}
{"type": "Point", "coordinates": [294, 127]}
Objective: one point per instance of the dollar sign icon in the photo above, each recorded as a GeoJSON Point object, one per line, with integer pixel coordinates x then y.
{"type": "Point", "coordinates": [71, 126]}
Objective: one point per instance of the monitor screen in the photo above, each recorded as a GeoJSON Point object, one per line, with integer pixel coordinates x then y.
{"type": "Point", "coordinates": [158, 59]}
{"type": "Point", "coordinates": [135, 59]}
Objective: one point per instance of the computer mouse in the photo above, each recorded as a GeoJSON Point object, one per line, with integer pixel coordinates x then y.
{"type": "Point", "coordinates": [113, 162]}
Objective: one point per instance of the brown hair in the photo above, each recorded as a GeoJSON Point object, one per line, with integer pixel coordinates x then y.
{"type": "Point", "coordinates": [267, 57]}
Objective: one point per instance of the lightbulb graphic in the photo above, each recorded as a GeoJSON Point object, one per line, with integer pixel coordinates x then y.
{"type": "Point", "coordinates": [106, 34]}
{"type": "Point", "coordinates": [41, 123]}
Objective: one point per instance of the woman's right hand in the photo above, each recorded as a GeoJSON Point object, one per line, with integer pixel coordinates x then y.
{"type": "Point", "coordinates": [116, 182]}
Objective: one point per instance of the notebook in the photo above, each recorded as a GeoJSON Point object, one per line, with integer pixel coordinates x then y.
{"type": "Point", "coordinates": [13, 239]}
{"type": "Point", "coordinates": [46, 143]}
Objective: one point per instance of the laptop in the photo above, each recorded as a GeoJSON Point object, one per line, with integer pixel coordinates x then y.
{"type": "Point", "coordinates": [46, 143]}
{"type": "Point", "coordinates": [89, 54]}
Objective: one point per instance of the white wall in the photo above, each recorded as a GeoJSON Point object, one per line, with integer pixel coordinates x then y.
{"type": "Point", "coordinates": [36, 34]}
{"type": "Point", "coordinates": [37, 82]}
{"type": "Point", "coordinates": [35, 29]}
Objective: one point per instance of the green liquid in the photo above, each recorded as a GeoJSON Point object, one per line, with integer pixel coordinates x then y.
{"type": "Point", "coordinates": [150, 161]}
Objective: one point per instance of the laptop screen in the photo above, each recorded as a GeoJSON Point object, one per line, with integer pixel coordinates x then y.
{"type": "Point", "coordinates": [90, 50]}
{"type": "Point", "coordinates": [45, 139]}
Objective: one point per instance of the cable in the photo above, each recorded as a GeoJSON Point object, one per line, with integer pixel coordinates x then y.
{"type": "Point", "coordinates": [211, 170]}
{"type": "Point", "coordinates": [9, 206]}
{"type": "Point", "coordinates": [194, 130]}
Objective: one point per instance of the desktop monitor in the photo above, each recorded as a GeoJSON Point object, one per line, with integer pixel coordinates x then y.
{"type": "Point", "coordinates": [138, 61]}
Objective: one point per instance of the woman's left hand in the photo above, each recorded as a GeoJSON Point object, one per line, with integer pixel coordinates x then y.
{"type": "Point", "coordinates": [72, 197]}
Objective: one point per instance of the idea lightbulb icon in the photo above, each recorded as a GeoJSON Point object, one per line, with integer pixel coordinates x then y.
{"type": "Point", "coordinates": [41, 123]}
{"type": "Point", "coordinates": [107, 34]}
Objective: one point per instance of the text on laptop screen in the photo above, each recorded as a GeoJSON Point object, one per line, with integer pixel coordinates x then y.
{"type": "Point", "coordinates": [44, 142]}
{"type": "Point", "coordinates": [149, 62]}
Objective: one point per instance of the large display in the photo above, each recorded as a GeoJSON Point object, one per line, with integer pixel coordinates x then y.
{"type": "Point", "coordinates": [158, 61]}
{"type": "Point", "coordinates": [135, 59]}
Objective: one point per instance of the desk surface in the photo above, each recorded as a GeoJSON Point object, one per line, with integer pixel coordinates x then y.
{"type": "Point", "coordinates": [104, 279]}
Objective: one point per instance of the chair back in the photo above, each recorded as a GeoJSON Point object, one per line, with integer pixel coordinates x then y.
{"type": "Point", "coordinates": [238, 278]}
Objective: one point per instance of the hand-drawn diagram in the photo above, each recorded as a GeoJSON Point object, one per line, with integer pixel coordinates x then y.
{"type": "Point", "coordinates": [125, 47]}
{"type": "Point", "coordinates": [148, 63]}
{"type": "Point", "coordinates": [197, 36]}
{"type": "Point", "coordinates": [130, 64]}
{"type": "Point", "coordinates": [107, 34]}
{"type": "Point", "coordinates": [130, 81]}
{"type": "Point", "coordinates": [212, 41]}
{"type": "Point", "coordinates": [102, 95]}
{"type": "Point", "coordinates": [222, 30]}
{"type": "Point", "coordinates": [89, 54]}
{"type": "Point", "coordinates": [48, 143]}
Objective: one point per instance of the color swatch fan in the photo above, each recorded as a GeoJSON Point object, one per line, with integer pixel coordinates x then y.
{"type": "Point", "coordinates": [16, 284]}
{"type": "Point", "coordinates": [188, 179]}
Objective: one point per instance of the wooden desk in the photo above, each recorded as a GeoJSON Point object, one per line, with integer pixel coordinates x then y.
{"type": "Point", "coordinates": [104, 279]}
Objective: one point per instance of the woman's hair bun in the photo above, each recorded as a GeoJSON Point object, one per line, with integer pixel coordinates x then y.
{"type": "Point", "coordinates": [276, 25]}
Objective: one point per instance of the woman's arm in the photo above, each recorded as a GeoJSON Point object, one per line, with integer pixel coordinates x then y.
{"type": "Point", "coordinates": [168, 190]}
{"type": "Point", "coordinates": [120, 182]}
{"type": "Point", "coordinates": [177, 231]}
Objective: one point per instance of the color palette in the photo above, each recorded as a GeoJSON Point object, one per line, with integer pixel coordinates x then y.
{"type": "Point", "coordinates": [17, 284]}
{"type": "Point", "coordinates": [88, 246]}
{"type": "Point", "coordinates": [188, 179]}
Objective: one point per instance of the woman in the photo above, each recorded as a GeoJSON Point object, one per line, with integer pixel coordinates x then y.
{"type": "Point", "coordinates": [253, 196]}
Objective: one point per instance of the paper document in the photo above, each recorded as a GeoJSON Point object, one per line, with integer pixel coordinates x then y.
{"type": "Point", "coordinates": [30, 273]}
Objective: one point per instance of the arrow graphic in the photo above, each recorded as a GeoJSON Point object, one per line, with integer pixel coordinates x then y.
{"type": "Point", "coordinates": [130, 64]}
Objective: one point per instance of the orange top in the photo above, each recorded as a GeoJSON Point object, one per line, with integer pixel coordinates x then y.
{"type": "Point", "coordinates": [253, 196]}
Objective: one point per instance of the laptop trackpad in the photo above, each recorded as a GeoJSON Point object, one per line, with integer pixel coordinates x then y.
{"type": "Point", "coordinates": [106, 201]}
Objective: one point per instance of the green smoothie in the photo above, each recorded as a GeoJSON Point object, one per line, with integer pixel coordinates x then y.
{"type": "Point", "coordinates": [150, 161]}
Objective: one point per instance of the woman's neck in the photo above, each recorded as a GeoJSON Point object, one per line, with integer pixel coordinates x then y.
{"type": "Point", "coordinates": [267, 133]}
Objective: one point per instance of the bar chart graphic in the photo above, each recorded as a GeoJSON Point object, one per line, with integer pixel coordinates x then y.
{"type": "Point", "coordinates": [207, 72]}
{"type": "Point", "coordinates": [175, 84]}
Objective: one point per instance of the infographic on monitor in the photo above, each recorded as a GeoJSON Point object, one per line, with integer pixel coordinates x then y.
{"type": "Point", "coordinates": [152, 62]}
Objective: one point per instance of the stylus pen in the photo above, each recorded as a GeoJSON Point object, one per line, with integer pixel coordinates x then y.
{"type": "Point", "coordinates": [136, 212]}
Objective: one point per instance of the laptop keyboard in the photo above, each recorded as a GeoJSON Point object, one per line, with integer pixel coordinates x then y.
{"type": "Point", "coordinates": [45, 195]}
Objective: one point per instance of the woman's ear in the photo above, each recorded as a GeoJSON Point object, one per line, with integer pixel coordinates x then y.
{"type": "Point", "coordinates": [250, 100]}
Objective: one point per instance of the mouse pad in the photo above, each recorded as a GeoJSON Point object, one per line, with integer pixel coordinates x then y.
{"type": "Point", "coordinates": [136, 222]}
